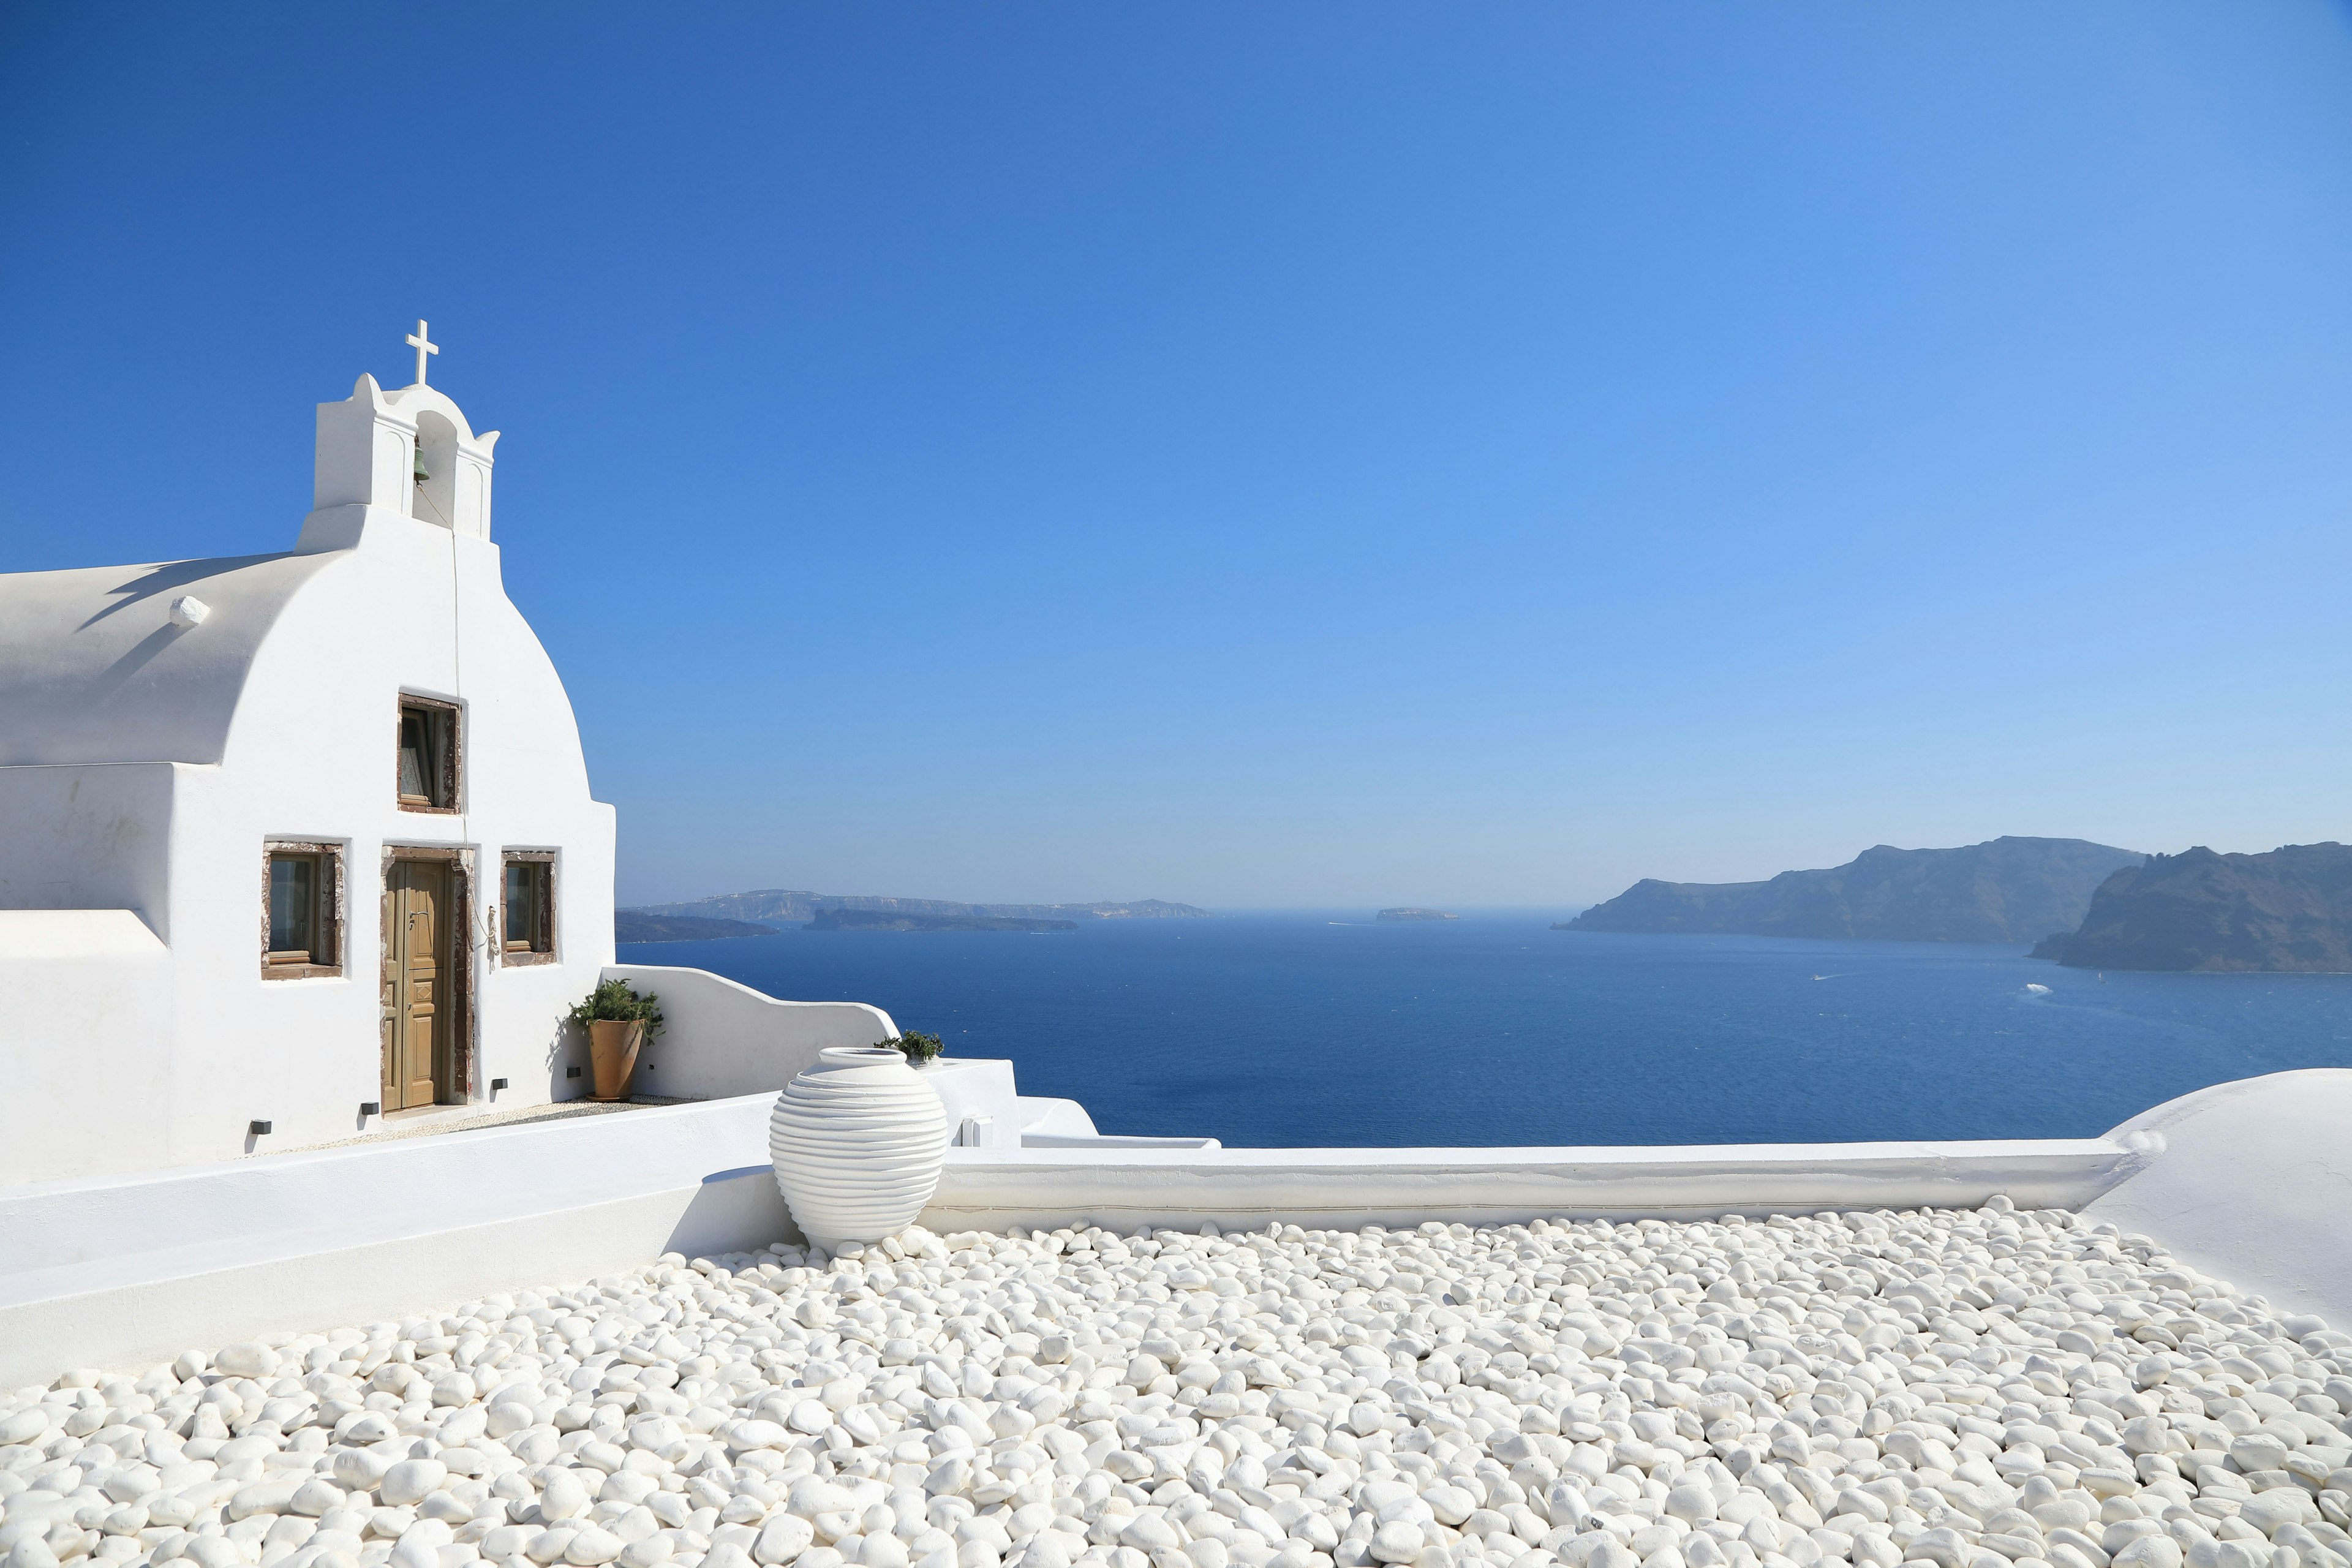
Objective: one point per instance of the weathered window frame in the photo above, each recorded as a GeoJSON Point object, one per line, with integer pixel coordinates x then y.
{"type": "Point", "coordinates": [324, 959]}
{"type": "Point", "coordinates": [445, 798]}
{"type": "Point", "coordinates": [541, 945]}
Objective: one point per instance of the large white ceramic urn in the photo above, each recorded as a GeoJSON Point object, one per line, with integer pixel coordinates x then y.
{"type": "Point", "coordinates": [858, 1142]}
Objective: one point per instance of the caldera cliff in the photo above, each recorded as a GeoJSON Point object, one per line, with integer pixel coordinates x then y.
{"type": "Point", "coordinates": [2287, 911]}
{"type": "Point", "coordinates": [2006, 889]}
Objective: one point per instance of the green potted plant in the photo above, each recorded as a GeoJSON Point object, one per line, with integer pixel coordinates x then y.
{"type": "Point", "coordinates": [618, 1021]}
{"type": "Point", "coordinates": [920, 1048]}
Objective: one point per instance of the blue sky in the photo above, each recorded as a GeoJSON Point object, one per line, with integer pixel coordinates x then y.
{"type": "Point", "coordinates": [1269, 455]}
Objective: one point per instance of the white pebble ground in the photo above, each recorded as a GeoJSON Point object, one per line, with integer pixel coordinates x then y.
{"type": "Point", "coordinates": [1969, 1389]}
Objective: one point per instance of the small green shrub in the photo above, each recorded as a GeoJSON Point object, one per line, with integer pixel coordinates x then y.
{"type": "Point", "coordinates": [919, 1048]}
{"type": "Point", "coordinates": [617, 1002]}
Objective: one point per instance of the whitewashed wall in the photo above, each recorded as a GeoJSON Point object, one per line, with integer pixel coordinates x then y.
{"type": "Point", "coordinates": [151, 765]}
{"type": "Point", "coordinates": [724, 1038]}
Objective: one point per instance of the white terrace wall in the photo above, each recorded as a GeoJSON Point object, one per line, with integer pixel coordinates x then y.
{"type": "Point", "coordinates": [124, 1271]}
{"type": "Point", "coordinates": [723, 1038]}
{"type": "Point", "coordinates": [129, 1269]}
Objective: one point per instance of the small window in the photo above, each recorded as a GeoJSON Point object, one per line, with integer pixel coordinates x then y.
{"type": "Point", "coordinates": [528, 922]}
{"type": "Point", "coordinates": [300, 894]}
{"type": "Point", "coordinates": [429, 755]}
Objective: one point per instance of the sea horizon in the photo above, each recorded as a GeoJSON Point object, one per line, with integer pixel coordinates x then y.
{"type": "Point", "coordinates": [1307, 1028]}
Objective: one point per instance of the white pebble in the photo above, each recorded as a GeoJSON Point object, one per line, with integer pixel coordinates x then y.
{"type": "Point", "coordinates": [410, 1480]}
{"type": "Point", "coordinates": [1955, 1389]}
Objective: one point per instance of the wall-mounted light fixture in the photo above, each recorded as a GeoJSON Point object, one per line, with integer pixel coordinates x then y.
{"type": "Point", "coordinates": [497, 1084]}
{"type": "Point", "coordinates": [370, 1108]}
{"type": "Point", "coordinates": [256, 1129]}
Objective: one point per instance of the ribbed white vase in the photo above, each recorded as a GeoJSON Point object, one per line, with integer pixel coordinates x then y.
{"type": "Point", "coordinates": [858, 1142]}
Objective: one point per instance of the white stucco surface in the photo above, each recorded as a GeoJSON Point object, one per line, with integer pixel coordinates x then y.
{"type": "Point", "coordinates": [120, 1271]}
{"type": "Point", "coordinates": [994, 1188]}
{"type": "Point", "coordinates": [148, 761]}
{"type": "Point", "coordinates": [94, 670]}
{"type": "Point", "coordinates": [88, 995]}
{"type": "Point", "coordinates": [723, 1038]}
{"type": "Point", "coordinates": [117, 1269]}
{"type": "Point", "coordinates": [2254, 1185]}
{"type": "Point", "coordinates": [109, 1271]}
{"type": "Point", "coordinates": [987, 1109]}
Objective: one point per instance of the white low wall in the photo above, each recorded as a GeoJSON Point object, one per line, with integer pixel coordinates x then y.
{"type": "Point", "coordinates": [88, 995]}
{"type": "Point", "coordinates": [987, 1109]}
{"type": "Point", "coordinates": [2254, 1186]}
{"type": "Point", "coordinates": [2252, 1181]}
{"type": "Point", "coordinates": [128, 1270]}
{"type": "Point", "coordinates": [1045, 1186]}
{"type": "Point", "coordinates": [721, 1038]}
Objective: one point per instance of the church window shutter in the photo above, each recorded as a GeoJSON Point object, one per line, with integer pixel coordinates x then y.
{"type": "Point", "coordinates": [527, 926]}
{"type": "Point", "coordinates": [426, 773]}
{"type": "Point", "coordinates": [302, 897]}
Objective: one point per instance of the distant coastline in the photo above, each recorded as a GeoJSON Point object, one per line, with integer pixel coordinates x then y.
{"type": "Point", "coordinates": [786, 907]}
{"type": "Point", "coordinates": [770, 911]}
{"type": "Point", "coordinates": [636, 925]}
{"type": "Point", "coordinates": [1414, 914]}
{"type": "Point", "coordinates": [2003, 891]}
{"type": "Point", "coordinates": [888, 919]}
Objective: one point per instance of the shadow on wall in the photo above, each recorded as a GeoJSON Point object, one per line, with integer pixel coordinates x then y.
{"type": "Point", "coordinates": [738, 1210]}
{"type": "Point", "coordinates": [173, 574]}
{"type": "Point", "coordinates": [567, 1063]}
{"type": "Point", "coordinates": [115, 675]}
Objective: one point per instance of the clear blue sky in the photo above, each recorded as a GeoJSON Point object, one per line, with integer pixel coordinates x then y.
{"type": "Point", "coordinates": [1269, 455]}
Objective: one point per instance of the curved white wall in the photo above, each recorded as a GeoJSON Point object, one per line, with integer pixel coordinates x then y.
{"type": "Point", "coordinates": [93, 669]}
{"type": "Point", "coordinates": [2254, 1184]}
{"type": "Point", "coordinates": [723, 1038]}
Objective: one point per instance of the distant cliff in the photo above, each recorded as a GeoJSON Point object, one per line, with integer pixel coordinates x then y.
{"type": "Point", "coordinates": [2007, 889]}
{"type": "Point", "coordinates": [894, 919]}
{"type": "Point", "coordinates": [636, 925]}
{"type": "Point", "coordinates": [2289, 911]}
{"type": "Point", "coordinates": [783, 907]}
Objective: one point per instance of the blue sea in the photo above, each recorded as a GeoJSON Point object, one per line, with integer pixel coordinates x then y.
{"type": "Point", "coordinates": [1326, 1027]}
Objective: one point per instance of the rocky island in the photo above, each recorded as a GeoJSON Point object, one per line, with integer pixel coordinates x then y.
{"type": "Point", "coordinates": [637, 925]}
{"type": "Point", "coordinates": [2285, 912]}
{"type": "Point", "coordinates": [785, 905]}
{"type": "Point", "coordinates": [888, 919]}
{"type": "Point", "coordinates": [2006, 889]}
{"type": "Point", "coordinates": [766, 913]}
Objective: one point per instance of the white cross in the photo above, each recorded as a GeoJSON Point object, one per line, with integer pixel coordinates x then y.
{"type": "Point", "coordinates": [422, 346]}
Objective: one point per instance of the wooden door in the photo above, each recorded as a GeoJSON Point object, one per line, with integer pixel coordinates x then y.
{"type": "Point", "coordinates": [416, 982]}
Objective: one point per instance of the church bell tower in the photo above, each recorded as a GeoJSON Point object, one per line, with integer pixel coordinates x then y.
{"type": "Point", "coordinates": [409, 451]}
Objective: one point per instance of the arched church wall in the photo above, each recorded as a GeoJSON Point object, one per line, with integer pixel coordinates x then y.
{"type": "Point", "coordinates": [309, 755]}
{"type": "Point", "coordinates": [94, 667]}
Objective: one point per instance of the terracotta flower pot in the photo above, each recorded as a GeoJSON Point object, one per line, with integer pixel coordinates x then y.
{"type": "Point", "coordinates": [612, 1054]}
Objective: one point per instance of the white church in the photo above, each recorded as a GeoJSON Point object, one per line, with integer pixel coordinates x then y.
{"type": "Point", "coordinates": [292, 841]}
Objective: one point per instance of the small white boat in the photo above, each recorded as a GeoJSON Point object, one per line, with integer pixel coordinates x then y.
{"type": "Point", "coordinates": [2033, 990]}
